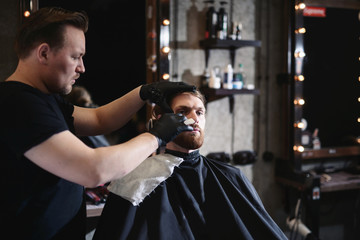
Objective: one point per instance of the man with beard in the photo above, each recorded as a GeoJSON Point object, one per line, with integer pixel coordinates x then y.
{"type": "Point", "coordinates": [44, 165]}
{"type": "Point", "coordinates": [195, 198]}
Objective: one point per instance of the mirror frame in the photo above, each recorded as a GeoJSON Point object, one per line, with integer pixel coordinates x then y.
{"type": "Point", "coordinates": [158, 40]}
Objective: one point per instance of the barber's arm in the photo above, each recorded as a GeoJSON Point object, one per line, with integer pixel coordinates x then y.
{"type": "Point", "coordinates": [66, 156]}
{"type": "Point", "coordinates": [109, 117]}
{"type": "Point", "coordinates": [116, 114]}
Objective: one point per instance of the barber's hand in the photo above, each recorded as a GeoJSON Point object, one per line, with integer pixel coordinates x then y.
{"type": "Point", "coordinates": [158, 92]}
{"type": "Point", "coordinates": [168, 127]}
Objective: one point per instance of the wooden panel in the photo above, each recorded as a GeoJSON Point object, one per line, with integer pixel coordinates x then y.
{"type": "Point", "coordinates": [331, 152]}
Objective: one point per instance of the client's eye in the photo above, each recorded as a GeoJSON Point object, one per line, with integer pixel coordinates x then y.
{"type": "Point", "coordinates": [200, 113]}
{"type": "Point", "coordinates": [181, 112]}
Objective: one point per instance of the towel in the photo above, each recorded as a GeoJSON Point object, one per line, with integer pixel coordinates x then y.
{"type": "Point", "coordinates": [140, 182]}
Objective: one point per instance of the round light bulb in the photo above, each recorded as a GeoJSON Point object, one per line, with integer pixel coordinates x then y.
{"type": "Point", "coordinates": [26, 13]}
{"type": "Point", "coordinates": [165, 76]}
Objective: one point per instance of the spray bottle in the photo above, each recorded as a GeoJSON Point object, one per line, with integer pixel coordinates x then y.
{"type": "Point", "coordinates": [222, 30]}
{"type": "Point", "coordinates": [211, 21]}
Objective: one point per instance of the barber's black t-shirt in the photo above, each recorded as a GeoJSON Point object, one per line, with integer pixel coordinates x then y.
{"type": "Point", "coordinates": [35, 203]}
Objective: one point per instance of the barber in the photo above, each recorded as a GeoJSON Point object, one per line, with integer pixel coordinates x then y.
{"type": "Point", "coordinates": [44, 165]}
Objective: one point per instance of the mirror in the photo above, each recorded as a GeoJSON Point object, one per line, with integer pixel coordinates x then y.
{"type": "Point", "coordinates": [332, 89]}
{"type": "Point", "coordinates": [325, 84]}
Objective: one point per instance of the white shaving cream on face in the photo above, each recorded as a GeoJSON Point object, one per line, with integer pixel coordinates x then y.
{"type": "Point", "coordinates": [189, 121]}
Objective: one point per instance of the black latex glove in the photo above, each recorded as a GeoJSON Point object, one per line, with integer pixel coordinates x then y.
{"type": "Point", "coordinates": [158, 92]}
{"type": "Point", "coordinates": [168, 127]}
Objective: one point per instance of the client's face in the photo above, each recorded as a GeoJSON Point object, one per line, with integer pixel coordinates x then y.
{"type": "Point", "coordinates": [191, 107]}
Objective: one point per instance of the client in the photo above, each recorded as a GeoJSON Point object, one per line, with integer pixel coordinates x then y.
{"type": "Point", "coordinates": [202, 199]}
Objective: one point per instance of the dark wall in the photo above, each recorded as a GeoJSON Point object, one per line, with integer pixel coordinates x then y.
{"type": "Point", "coordinates": [115, 59]}
{"type": "Point", "coordinates": [8, 24]}
{"type": "Point", "coordinates": [115, 44]}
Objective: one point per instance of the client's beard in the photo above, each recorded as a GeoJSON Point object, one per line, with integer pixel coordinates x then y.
{"type": "Point", "coordinates": [190, 140]}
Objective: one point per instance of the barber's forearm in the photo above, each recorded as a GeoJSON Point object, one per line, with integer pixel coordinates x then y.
{"type": "Point", "coordinates": [116, 114]}
{"type": "Point", "coordinates": [64, 155]}
{"type": "Point", "coordinates": [116, 161]}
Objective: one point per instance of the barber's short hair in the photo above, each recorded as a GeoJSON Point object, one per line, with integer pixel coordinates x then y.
{"type": "Point", "coordinates": [159, 111]}
{"type": "Point", "coordinates": [47, 26]}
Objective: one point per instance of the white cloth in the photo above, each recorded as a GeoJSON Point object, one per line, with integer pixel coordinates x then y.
{"type": "Point", "coordinates": [140, 182]}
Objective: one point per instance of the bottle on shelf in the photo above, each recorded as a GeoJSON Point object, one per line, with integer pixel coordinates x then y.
{"type": "Point", "coordinates": [215, 80]}
{"type": "Point", "coordinates": [228, 77]}
{"type": "Point", "coordinates": [238, 80]}
{"type": "Point", "coordinates": [233, 30]}
{"type": "Point", "coordinates": [205, 78]}
{"type": "Point", "coordinates": [316, 140]}
{"type": "Point", "coordinates": [222, 30]}
{"type": "Point", "coordinates": [239, 31]}
{"type": "Point", "coordinates": [211, 20]}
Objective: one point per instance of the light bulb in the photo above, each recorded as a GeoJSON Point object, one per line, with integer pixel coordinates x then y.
{"type": "Point", "coordinates": [165, 49]}
{"type": "Point", "coordinates": [299, 148]}
{"type": "Point", "coordinates": [300, 6]}
{"type": "Point", "coordinates": [166, 22]}
{"type": "Point", "coordinates": [299, 54]}
{"type": "Point", "coordinates": [299, 78]}
{"type": "Point", "coordinates": [299, 101]}
{"type": "Point", "coordinates": [300, 125]}
{"type": "Point", "coordinates": [26, 13]}
{"type": "Point", "coordinates": [300, 30]}
{"type": "Point", "coordinates": [165, 76]}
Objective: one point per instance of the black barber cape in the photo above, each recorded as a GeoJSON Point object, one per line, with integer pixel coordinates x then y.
{"type": "Point", "coordinates": [202, 199]}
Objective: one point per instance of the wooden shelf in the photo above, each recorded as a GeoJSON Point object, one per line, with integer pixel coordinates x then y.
{"type": "Point", "coordinates": [331, 152]}
{"type": "Point", "coordinates": [213, 43]}
{"type": "Point", "coordinates": [340, 181]}
{"type": "Point", "coordinates": [212, 94]}
{"type": "Point", "coordinates": [232, 45]}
